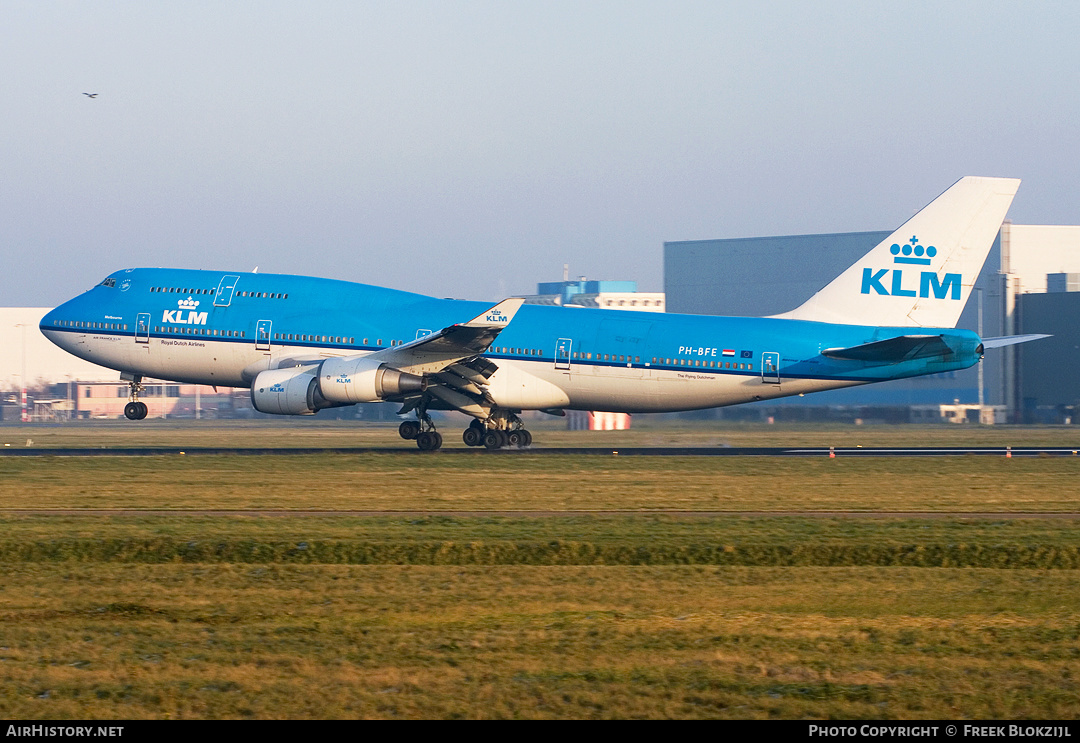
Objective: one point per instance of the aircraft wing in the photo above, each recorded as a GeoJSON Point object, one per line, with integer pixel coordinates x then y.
{"type": "Point", "coordinates": [452, 361]}
{"type": "Point", "coordinates": [893, 350]}
{"type": "Point", "coordinates": [436, 351]}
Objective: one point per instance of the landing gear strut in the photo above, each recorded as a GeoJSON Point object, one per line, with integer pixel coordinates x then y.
{"type": "Point", "coordinates": [135, 410]}
{"type": "Point", "coordinates": [422, 431]}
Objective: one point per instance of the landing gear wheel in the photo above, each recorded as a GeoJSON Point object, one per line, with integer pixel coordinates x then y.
{"type": "Point", "coordinates": [527, 438]}
{"type": "Point", "coordinates": [133, 412]}
{"type": "Point", "coordinates": [143, 410]}
{"type": "Point", "coordinates": [409, 430]}
{"type": "Point", "coordinates": [473, 436]}
{"type": "Point", "coordinates": [515, 439]}
{"type": "Point", "coordinates": [492, 440]}
{"type": "Point", "coordinates": [429, 441]}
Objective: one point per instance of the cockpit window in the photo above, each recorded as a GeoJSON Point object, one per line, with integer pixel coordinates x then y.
{"type": "Point", "coordinates": [109, 282]}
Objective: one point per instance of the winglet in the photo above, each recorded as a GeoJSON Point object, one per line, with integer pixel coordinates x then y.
{"type": "Point", "coordinates": [498, 316]}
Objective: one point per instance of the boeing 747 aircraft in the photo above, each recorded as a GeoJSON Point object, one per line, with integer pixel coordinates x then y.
{"type": "Point", "coordinates": [302, 344]}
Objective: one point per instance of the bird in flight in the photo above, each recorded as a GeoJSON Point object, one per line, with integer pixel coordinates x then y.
{"type": "Point", "coordinates": [90, 95]}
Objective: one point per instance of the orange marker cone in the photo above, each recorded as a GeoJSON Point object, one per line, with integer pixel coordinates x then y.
{"type": "Point", "coordinates": [1008, 452]}
{"type": "Point", "coordinates": [832, 454]}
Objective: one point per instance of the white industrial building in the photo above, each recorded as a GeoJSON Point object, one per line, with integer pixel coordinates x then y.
{"type": "Point", "coordinates": [29, 359]}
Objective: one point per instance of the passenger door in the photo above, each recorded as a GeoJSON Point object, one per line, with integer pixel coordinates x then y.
{"type": "Point", "coordinates": [562, 353]}
{"type": "Point", "coordinates": [770, 367]}
{"type": "Point", "coordinates": [142, 327]}
{"type": "Point", "coordinates": [262, 335]}
{"type": "Point", "coordinates": [224, 294]}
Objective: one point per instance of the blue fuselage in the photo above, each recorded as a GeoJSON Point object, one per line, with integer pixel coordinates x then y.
{"type": "Point", "coordinates": [218, 328]}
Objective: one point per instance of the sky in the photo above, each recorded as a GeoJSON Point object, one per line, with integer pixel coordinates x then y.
{"type": "Point", "coordinates": [470, 149]}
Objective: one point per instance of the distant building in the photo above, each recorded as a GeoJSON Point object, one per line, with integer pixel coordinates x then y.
{"type": "Point", "coordinates": [1047, 379]}
{"type": "Point", "coordinates": [607, 295]}
{"type": "Point", "coordinates": [588, 420]}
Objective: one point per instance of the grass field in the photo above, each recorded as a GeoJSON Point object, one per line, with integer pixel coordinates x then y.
{"type": "Point", "coordinates": [413, 481]}
{"type": "Point", "coordinates": [591, 611]}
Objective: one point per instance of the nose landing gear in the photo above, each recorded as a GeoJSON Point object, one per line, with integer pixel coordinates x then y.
{"type": "Point", "coordinates": [135, 410]}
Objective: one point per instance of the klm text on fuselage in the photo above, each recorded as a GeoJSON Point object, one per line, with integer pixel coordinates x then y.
{"type": "Point", "coordinates": [185, 317]}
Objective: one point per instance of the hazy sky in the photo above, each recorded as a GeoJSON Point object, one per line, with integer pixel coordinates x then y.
{"type": "Point", "coordinates": [469, 149]}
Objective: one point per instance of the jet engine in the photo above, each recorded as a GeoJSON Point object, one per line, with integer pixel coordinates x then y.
{"type": "Point", "coordinates": [303, 390]}
{"type": "Point", "coordinates": [291, 391]}
{"type": "Point", "coordinates": [355, 379]}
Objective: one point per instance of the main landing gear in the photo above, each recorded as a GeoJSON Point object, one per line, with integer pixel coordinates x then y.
{"type": "Point", "coordinates": [135, 410]}
{"type": "Point", "coordinates": [422, 431]}
{"type": "Point", "coordinates": [507, 432]}
{"type": "Point", "coordinates": [501, 430]}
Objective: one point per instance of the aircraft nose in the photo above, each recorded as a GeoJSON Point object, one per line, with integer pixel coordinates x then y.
{"type": "Point", "coordinates": [49, 321]}
{"type": "Point", "coordinates": [56, 318]}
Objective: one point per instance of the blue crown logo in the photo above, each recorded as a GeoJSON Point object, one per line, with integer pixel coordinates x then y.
{"type": "Point", "coordinates": [913, 249]}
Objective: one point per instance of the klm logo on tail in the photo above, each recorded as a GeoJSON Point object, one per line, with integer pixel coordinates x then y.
{"type": "Point", "coordinates": [948, 287]}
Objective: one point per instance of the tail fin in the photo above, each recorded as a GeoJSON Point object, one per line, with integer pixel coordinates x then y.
{"type": "Point", "coordinates": [923, 273]}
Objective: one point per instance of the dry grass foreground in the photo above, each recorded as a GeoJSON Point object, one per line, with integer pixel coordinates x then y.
{"type": "Point", "coordinates": [318, 641]}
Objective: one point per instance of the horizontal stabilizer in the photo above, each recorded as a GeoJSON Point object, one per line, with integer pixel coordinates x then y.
{"type": "Point", "coordinates": [1009, 340]}
{"type": "Point", "coordinates": [893, 350]}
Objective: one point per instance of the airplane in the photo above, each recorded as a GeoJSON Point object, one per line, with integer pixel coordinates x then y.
{"type": "Point", "coordinates": [303, 344]}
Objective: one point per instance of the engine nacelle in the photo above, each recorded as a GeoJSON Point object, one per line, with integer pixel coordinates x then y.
{"type": "Point", "coordinates": [292, 391]}
{"type": "Point", "coordinates": [358, 379]}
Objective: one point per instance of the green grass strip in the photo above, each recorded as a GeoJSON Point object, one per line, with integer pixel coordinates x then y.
{"type": "Point", "coordinates": [554, 552]}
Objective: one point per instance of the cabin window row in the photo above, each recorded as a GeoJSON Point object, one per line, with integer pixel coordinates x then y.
{"type": "Point", "coordinates": [588, 356]}
{"type": "Point", "coordinates": [263, 295]}
{"type": "Point", "coordinates": [511, 350]}
{"type": "Point", "coordinates": [316, 338]}
{"type": "Point", "coordinates": [173, 289]}
{"type": "Point", "coordinates": [213, 332]}
{"type": "Point", "coordinates": [89, 325]}
{"type": "Point", "coordinates": [183, 290]}
{"type": "Point", "coordinates": [703, 364]}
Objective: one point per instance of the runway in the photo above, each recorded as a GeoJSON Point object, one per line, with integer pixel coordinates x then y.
{"type": "Point", "coordinates": [652, 451]}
